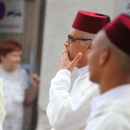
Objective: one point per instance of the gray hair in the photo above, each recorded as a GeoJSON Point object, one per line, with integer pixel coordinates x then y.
{"type": "Point", "coordinates": [86, 35]}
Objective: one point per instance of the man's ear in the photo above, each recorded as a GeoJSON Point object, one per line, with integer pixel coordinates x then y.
{"type": "Point", "coordinates": [104, 56]}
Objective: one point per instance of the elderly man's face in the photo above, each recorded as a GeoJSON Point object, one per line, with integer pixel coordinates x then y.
{"type": "Point", "coordinates": [76, 46]}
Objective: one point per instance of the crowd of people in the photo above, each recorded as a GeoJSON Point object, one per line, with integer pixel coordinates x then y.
{"type": "Point", "coordinates": [100, 96]}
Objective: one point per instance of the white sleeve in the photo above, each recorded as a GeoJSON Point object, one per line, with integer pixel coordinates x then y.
{"type": "Point", "coordinates": [66, 112]}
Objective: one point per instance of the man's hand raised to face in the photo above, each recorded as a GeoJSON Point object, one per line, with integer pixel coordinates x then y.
{"type": "Point", "coordinates": [65, 63]}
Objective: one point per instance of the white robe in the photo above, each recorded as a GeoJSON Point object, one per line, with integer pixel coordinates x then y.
{"type": "Point", "coordinates": [111, 110]}
{"type": "Point", "coordinates": [69, 111]}
{"type": "Point", "coordinates": [2, 106]}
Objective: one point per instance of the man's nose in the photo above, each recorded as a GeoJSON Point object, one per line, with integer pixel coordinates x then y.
{"type": "Point", "coordinates": [66, 43]}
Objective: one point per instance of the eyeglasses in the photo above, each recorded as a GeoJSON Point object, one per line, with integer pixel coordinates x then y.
{"type": "Point", "coordinates": [72, 39]}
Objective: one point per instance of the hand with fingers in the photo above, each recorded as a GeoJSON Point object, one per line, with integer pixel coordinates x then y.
{"type": "Point", "coordinates": [65, 63]}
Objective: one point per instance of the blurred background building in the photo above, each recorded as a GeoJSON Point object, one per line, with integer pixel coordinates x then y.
{"type": "Point", "coordinates": [41, 26]}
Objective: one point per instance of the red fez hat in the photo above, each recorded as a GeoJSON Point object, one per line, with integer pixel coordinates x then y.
{"type": "Point", "coordinates": [89, 21]}
{"type": "Point", "coordinates": [118, 31]}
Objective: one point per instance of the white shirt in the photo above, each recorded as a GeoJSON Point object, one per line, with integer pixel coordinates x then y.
{"type": "Point", "coordinates": [111, 110]}
{"type": "Point", "coordinates": [69, 111]}
{"type": "Point", "coordinates": [82, 71]}
{"type": "Point", "coordinates": [15, 85]}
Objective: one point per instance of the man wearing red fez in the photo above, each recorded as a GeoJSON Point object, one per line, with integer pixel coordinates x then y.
{"type": "Point", "coordinates": [110, 59]}
{"type": "Point", "coordinates": [69, 109]}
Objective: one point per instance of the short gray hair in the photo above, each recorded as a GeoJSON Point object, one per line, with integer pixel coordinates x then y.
{"type": "Point", "coordinates": [86, 35]}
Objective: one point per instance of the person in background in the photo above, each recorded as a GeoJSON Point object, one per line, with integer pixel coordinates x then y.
{"type": "Point", "coordinates": [17, 92]}
{"type": "Point", "coordinates": [69, 109]}
{"type": "Point", "coordinates": [110, 59]}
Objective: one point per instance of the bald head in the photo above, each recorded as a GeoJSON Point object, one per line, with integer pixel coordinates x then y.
{"type": "Point", "coordinates": [122, 59]}
{"type": "Point", "coordinates": [109, 66]}
{"type": "Point", "coordinates": [109, 60]}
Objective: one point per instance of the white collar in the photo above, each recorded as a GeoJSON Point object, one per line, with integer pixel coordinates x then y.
{"type": "Point", "coordinates": [119, 93]}
{"type": "Point", "coordinates": [83, 70]}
